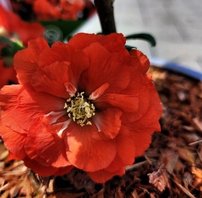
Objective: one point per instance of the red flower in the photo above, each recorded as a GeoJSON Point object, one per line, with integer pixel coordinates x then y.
{"type": "Point", "coordinates": [57, 9]}
{"type": "Point", "coordinates": [11, 25]}
{"type": "Point", "coordinates": [87, 104]}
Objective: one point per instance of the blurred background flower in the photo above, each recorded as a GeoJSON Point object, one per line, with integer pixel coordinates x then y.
{"type": "Point", "coordinates": [24, 20]}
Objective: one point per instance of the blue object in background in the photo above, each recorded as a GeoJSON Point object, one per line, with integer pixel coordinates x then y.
{"type": "Point", "coordinates": [177, 67]}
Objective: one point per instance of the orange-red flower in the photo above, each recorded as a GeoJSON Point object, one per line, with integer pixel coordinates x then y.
{"type": "Point", "coordinates": [12, 26]}
{"type": "Point", "coordinates": [87, 104]}
{"type": "Point", "coordinates": [57, 9]}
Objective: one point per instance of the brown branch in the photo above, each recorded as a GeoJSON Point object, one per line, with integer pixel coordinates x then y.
{"type": "Point", "coordinates": [106, 15]}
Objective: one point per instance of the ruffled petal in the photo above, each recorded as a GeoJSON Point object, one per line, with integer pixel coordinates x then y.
{"type": "Point", "coordinates": [103, 175]}
{"type": "Point", "coordinates": [41, 79]}
{"type": "Point", "coordinates": [140, 60]}
{"type": "Point", "coordinates": [145, 127]}
{"type": "Point", "coordinates": [109, 69]}
{"type": "Point", "coordinates": [50, 70]}
{"type": "Point", "coordinates": [42, 170]}
{"type": "Point", "coordinates": [142, 140]}
{"type": "Point", "coordinates": [87, 150]}
{"type": "Point", "coordinates": [15, 100]}
{"type": "Point", "coordinates": [112, 42]}
{"type": "Point", "coordinates": [45, 147]}
{"type": "Point", "coordinates": [51, 79]}
{"type": "Point", "coordinates": [148, 101]}
{"type": "Point", "coordinates": [39, 168]}
{"type": "Point", "coordinates": [109, 122]}
{"type": "Point", "coordinates": [95, 76]}
{"type": "Point", "coordinates": [14, 141]}
{"type": "Point", "coordinates": [99, 91]}
{"type": "Point", "coordinates": [61, 52]}
{"type": "Point", "coordinates": [63, 170]}
{"type": "Point", "coordinates": [127, 103]}
{"type": "Point", "coordinates": [126, 148]}
{"type": "Point", "coordinates": [26, 60]}
{"type": "Point", "coordinates": [125, 156]}
{"type": "Point", "coordinates": [38, 45]}
{"type": "Point", "coordinates": [145, 121]}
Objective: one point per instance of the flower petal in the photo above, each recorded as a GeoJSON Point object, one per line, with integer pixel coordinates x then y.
{"type": "Point", "coordinates": [15, 100]}
{"type": "Point", "coordinates": [45, 147]}
{"type": "Point", "coordinates": [125, 151]}
{"type": "Point", "coordinates": [42, 170]}
{"type": "Point", "coordinates": [125, 156]}
{"type": "Point", "coordinates": [109, 122]}
{"type": "Point", "coordinates": [63, 170]}
{"type": "Point", "coordinates": [61, 52]}
{"type": "Point", "coordinates": [103, 175]}
{"type": "Point", "coordinates": [112, 42]}
{"type": "Point", "coordinates": [146, 121]}
{"type": "Point", "coordinates": [109, 69]}
{"type": "Point", "coordinates": [99, 91]}
{"type": "Point", "coordinates": [141, 60]}
{"type": "Point", "coordinates": [149, 109]}
{"type": "Point", "coordinates": [86, 150]}
{"type": "Point", "coordinates": [25, 61]}
{"type": "Point", "coordinates": [146, 126]}
{"type": "Point", "coordinates": [44, 79]}
{"type": "Point", "coordinates": [127, 103]}
{"type": "Point", "coordinates": [126, 148]}
{"type": "Point", "coordinates": [50, 70]}
{"type": "Point", "coordinates": [142, 140]}
{"type": "Point", "coordinates": [14, 141]}
{"type": "Point", "coordinates": [51, 79]}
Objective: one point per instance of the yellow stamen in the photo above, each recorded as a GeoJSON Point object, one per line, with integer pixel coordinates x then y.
{"type": "Point", "coordinates": [79, 109]}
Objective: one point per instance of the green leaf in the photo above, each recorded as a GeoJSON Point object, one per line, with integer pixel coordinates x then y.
{"type": "Point", "coordinates": [9, 47]}
{"type": "Point", "coordinates": [143, 36]}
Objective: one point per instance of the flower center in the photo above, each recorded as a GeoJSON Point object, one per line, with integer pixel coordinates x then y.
{"type": "Point", "coordinates": [80, 109]}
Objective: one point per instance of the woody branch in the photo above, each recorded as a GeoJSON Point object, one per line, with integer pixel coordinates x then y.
{"type": "Point", "coordinates": [106, 15]}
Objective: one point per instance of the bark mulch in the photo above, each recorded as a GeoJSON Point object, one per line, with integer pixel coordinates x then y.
{"type": "Point", "coordinates": [171, 167]}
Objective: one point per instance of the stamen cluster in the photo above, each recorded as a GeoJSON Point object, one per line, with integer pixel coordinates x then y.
{"type": "Point", "coordinates": [80, 109]}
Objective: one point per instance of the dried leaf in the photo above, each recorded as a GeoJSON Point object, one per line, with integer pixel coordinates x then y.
{"type": "Point", "coordinates": [200, 153]}
{"type": "Point", "coordinates": [100, 194]}
{"type": "Point", "coordinates": [197, 172]}
{"type": "Point", "coordinates": [5, 194]}
{"type": "Point", "coordinates": [14, 191]}
{"type": "Point", "coordinates": [4, 155]}
{"type": "Point", "coordinates": [169, 159]}
{"type": "Point", "coordinates": [119, 194]}
{"type": "Point", "coordinates": [158, 179]}
{"type": "Point", "coordinates": [187, 179]}
{"type": "Point", "coordinates": [198, 123]}
{"type": "Point", "coordinates": [183, 189]}
{"type": "Point", "coordinates": [134, 194]}
{"type": "Point", "coordinates": [186, 154]}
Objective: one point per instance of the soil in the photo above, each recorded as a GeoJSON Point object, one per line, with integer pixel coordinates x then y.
{"type": "Point", "coordinates": [171, 166]}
